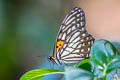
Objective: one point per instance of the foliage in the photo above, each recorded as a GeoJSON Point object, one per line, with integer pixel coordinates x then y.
{"type": "Point", "coordinates": [104, 56]}
{"type": "Point", "coordinates": [39, 74]}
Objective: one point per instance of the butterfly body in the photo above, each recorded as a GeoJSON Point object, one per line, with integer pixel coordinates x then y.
{"type": "Point", "coordinates": [73, 42]}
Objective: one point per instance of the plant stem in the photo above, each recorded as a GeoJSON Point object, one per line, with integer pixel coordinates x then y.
{"type": "Point", "coordinates": [104, 74]}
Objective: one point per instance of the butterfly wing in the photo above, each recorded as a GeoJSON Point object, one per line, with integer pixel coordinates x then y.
{"type": "Point", "coordinates": [73, 42]}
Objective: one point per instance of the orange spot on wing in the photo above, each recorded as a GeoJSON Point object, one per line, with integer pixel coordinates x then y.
{"type": "Point", "coordinates": [59, 45]}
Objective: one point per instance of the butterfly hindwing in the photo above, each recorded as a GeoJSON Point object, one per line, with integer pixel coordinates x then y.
{"type": "Point", "coordinates": [73, 42]}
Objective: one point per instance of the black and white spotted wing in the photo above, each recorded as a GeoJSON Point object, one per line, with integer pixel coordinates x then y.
{"type": "Point", "coordinates": [73, 42]}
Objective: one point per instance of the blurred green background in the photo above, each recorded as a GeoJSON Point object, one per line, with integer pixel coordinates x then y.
{"type": "Point", "coordinates": [28, 29]}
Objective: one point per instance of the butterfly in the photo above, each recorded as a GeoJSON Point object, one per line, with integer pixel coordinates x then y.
{"type": "Point", "coordinates": [73, 42]}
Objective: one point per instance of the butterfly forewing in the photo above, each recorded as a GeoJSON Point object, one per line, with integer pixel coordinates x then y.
{"type": "Point", "coordinates": [73, 42]}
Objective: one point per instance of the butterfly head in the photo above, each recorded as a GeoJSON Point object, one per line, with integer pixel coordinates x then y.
{"type": "Point", "coordinates": [53, 60]}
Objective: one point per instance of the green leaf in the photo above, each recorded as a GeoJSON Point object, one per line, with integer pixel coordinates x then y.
{"type": "Point", "coordinates": [84, 64]}
{"type": "Point", "coordinates": [39, 74]}
{"type": "Point", "coordinates": [78, 74]}
{"type": "Point", "coordinates": [113, 64]}
{"type": "Point", "coordinates": [102, 53]}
